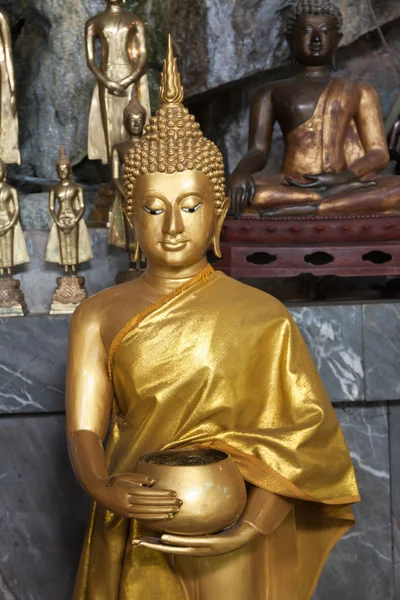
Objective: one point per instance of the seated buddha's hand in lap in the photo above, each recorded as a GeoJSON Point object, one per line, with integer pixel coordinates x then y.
{"type": "Point", "coordinates": [325, 181]}
{"type": "Point", "coordinates": [130, 495]}
{"type": "Point", "coordinates": [228, 541]}
{"type": "Point", "coordinates": [241, 190]}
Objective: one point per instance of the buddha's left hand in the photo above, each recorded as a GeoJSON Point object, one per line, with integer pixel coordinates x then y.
{"type": "Point", "coordinates": [210, 545]}
{"type": "Point", "coordinates": [324, 180]}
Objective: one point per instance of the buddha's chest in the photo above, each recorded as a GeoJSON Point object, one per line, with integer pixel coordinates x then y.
{"type": "Point", "coordinates": [298, 102]}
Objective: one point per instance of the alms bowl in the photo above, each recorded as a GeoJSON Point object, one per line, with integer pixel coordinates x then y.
{"type": "Point", "coordinates": [207, 481]}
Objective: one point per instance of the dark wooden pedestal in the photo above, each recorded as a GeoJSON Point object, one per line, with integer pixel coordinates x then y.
{"type": "Point", "coordinates": [343, 246]}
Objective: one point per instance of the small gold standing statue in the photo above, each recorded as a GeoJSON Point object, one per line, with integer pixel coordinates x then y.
{"type": "Point", "coordinates": [9, 148]}
{"type": "Point", "coordinates": [12, 249]}
{"type": "Point", "coordinates": [69, 242]}
{"type": "Point", "coordinates": [120, 232]}
{"type": "Point", "coordinates": [123, 66]}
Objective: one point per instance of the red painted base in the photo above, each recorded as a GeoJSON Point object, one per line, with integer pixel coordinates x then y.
{"type": "Point", "coordinates": [344, 246]}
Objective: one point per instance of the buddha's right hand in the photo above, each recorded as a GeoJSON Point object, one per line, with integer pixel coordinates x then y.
{"type": "Point", "coordinates": [129, 495]}
{"type": "Point", "coordinates": [115, 88]}
{"type": "Point", "coordinates": [241, 190]}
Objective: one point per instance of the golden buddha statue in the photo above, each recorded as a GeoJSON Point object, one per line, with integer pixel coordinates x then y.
{"type": "Point", "coordinates": [123, 66]}
{"type": "Point", "coordinates": [176, 366]}
{"type": "Point", "coordinates": [333, 130]}
{"type": "Point", "coordinates": [13, 250]}
{"type": "Point", "coordinates": [9, 147]}
{"type": "Point", "coordinates": [120, 233]}
{"type": "Point", "coordinates": [69, 243]}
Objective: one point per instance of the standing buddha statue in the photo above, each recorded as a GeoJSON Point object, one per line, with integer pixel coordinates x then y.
{"type": "Point", "coordinates": [120, 232]}
{"type": "Point", "coordinates": [69, 243]}
{"type": "Point", "coordinates": [175, 366]}
{"type": "Point", "coordinates": [335, 142]}
{"type": "Point", "coordinates": [9, 147]}
{"type": "Point", "coordinates": [123, 66]}
{"type": "Point", "coordinates": [13, 250]}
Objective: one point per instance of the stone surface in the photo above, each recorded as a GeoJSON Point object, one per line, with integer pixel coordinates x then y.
{"type": "Point", "coordinates": [33, 353]}
{"type": "Point", "coordinates": [39, 278]}
{"type": "Point", "coordinates": [334, 336]}
{"type": "Point", "coordinates": [54, 85]}
{"type": "Point", "coordinates": [43, 511]}
{"type": "Point", "coordinates": [382, 351]}
{"type": "Point", "coordinates": [394, 413]}
{"type": "Point", "coordinates": [361, 565]}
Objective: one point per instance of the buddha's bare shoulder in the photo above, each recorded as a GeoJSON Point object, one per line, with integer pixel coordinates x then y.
{"type": "Point", "coordinates": [110, 306]}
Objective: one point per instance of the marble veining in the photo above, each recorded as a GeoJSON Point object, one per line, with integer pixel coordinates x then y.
{"type": "Point", "coordinates": [334, 336]}
{"type": "Point", "coordinates": [382, 351]}
{"type": "Point", "coordinates": [361, 565]}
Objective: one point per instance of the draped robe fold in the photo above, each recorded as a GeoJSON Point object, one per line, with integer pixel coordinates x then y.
{"type": "Point", "coordinates": [220, 364]}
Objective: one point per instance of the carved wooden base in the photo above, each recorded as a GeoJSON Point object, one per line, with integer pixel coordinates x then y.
{"type": "Point", "coordinates": [12, 301]}
{"type": "Point", "coordinates": [343, 246]}
{"type": "Point", "coordinates": [69, 294]}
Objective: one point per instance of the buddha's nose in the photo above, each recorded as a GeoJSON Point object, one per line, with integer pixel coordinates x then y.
{"type": "Point", "coordinates": [173, 222]}
{"type": "Point", "coordinates": [316, 38]}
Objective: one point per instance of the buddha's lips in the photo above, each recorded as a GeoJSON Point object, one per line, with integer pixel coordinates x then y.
{"type": "Point", "coordinates": [173, 246]}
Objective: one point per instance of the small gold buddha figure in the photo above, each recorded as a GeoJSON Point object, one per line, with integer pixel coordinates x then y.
{"type": "Point", "coordinates": [120, 232]}
{"type": "Point", "coordinates": [176, 366]}
{"type": "Point", "coordinates": [123, 66]}
{"type": "Point", "coordinates": [335, 142]}
{"type": "Point", "coordinates": [13, 250]}
{"type": "Point", "coordinates": [9, 147]}
{"type": "Point", "coordinates": [69, 243]}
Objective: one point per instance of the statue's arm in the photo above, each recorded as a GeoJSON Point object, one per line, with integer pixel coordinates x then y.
{"type": "Point", "coordinates": [88, 401]}
{"type": "Point", "coordinates": [262, 121]}
{"type": "Point", "coordinates": [81, 205]}
{"type": "Point", "coordinates": [371, 130]}
{"type": "Point", "coordinates": [241, 188]}
{"type": "Point", "coordinates": [90, 41]}
{"type": "Point", "coordinates": [115, 168]}
{"type": "Point", "coordinates": [88, 406]}
{"type": "Point", "coordinates": [7, 44]}
{"type": "Point", "coordinates": [52, 208]}
{"type": "Point", "coordinates": [15, 201]}
{"type": "Point", "coordinates": [137, 54]}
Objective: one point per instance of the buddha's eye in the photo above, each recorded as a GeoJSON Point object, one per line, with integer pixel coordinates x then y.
{"type": "Point", "coordinates": [192, 209]}
{"type": "Point", "coordinates": [153, 211]}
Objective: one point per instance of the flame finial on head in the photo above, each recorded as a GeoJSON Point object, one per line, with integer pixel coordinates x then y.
{"type": "Point", "coordinates": [171, 90]}
{"type": "Point", "coordinates": [63, 160]}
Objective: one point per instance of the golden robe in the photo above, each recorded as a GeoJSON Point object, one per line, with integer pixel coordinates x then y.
{"type": "Point", "coordinates": [217, 363]}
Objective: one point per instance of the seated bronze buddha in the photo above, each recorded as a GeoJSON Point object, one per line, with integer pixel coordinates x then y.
{"type": "Point", "coordinates": [333, 131]}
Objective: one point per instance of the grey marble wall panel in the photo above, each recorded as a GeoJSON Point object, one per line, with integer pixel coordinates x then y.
{"type": "Point", "coordinates": [394, 412]}
{"type": "Point", "coordinates": [32, 364]}
{"type": "Point", "coordinates": [382, 351]}
{"type": "Point", "coordinates": [43, 511]}
{"type": "Point", "coordinates": [39, 279]}
{"type": "Point", "coordinates": [361, 565]}
{"type": "Point", "coordinates": [334, 336]}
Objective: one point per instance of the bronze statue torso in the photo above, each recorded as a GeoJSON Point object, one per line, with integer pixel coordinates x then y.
{"type": "Point", "coordinates": [66, 194]}
{"type": "Point", "coordinates": [295, 100]}
{"type": "Point", "coordinates": [116, 33]}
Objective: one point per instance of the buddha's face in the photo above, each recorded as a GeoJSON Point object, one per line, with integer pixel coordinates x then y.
{"type": "Point", "coordinates": [175, 218]}
{"type": "Point", "coordinates": [63, 171]}
{"type": "Point", "coordinates": [315, 39]}
{"type": "Point", "coordinates": [134, 123]}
